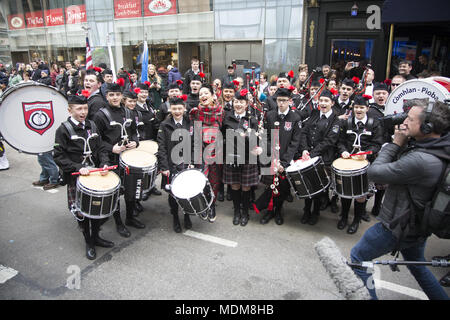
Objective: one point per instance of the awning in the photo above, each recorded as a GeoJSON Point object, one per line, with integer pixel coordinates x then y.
{"type": "Point", "coordinates": [415, 11]}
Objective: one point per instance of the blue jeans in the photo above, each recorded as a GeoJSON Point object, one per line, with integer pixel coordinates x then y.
{"type": "Point", "coordinates": [50, 170]}
{"type": "Point", "coordinates": [378, 241]}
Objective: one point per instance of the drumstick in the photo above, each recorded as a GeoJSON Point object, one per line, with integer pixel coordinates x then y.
{"type": "Point", "coordinates": [361, 154]}
{"type": "Point", "coordinates": [96, 170]}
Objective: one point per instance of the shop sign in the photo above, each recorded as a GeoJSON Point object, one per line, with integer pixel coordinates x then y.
{"type": "Point", "coordinates": [127, 9]}
{"type": "Point", "coordinates": [34, 19]}
{"type": "Point", "coordinates": [54, 17]}
{"type": "Point", "coordinates": [16, 21]}
{"type": "Point", "coordinates": [160, 7]}
{"type": "Point", "coordinates": [76, 14]}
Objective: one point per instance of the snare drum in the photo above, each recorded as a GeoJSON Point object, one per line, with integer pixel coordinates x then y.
{"type": "Point", "coordinates": [97, 196]}
{"type": "Point", "coordinates": [308, 178]}
{"type": "Point", "coordinates": [138, 171]}
{"type": "Point", "coordinates": [192, 191]}
{"type": "Point", "coordinates": [350, 179]}
{"type": "Point", "coordinates": [148, 146]}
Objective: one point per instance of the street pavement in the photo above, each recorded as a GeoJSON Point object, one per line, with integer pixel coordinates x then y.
{"type": "Point", "coordinates": [40, 239]}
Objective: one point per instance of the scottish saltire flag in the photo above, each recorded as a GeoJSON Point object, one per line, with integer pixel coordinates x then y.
{"type": "Point", "coordinates": [89, 64]}
{"type": "Point", "coordinates": [144, 63]}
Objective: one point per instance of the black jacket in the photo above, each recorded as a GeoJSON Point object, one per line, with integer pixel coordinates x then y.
{"type": "Point", "coordinates": [187, 81]}
{"type": "Point", "coordinates": [150, 129]}
{"type": "Point", "coordinates": [113, 134]}
{"type": "Point", "coordinates": [320, 139]}
{"type": "Point", "coordinates": [192, 102]}
{"type": "Point", "coordinates": [289, 135]}
{"type": "Point", "coordinates": [95, 103]}
{"type": "Point", "coordinates": [68, 153]}
{"type": "Point", "coordinates": [338, 110]}
{"type": "Point", "coordinates": [230, 122]}
{"type": "Point", "coordinates": [166, 145]}
{"type": "Point", "coordinates": [377, 112]}
{"type": "Point", "coordinates": [368, 143]}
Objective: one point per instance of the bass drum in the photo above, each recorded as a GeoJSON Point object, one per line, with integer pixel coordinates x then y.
{"type": "Point", "coordinates": [434, 88]}
{"type": "Point", "coordinates": [30, 114]}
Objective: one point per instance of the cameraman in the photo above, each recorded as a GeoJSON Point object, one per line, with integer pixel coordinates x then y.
{"type": "Point", "coordinates": [411, 174]}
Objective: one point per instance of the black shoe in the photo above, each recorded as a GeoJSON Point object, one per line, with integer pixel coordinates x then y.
{"type": "Point", "coordinates": [229, 196]}
{"type": "Point", "coordinates": [90, 252]}
{"type": "Point", "coordinates": [212, 214]}
{"type": "Point", "coordinates": [156, 192]}
{"type": "Point", "coordinates": [353, 228]}
{"type": "Point", "coordinates": [445, 281]}
{"type": "Point", "coordinates": [99, 242]}
{"type": "Point", "coordinates": [314, 219]}
{"type": "Point", "coordinates": [305, 217]}
{"type": "Point", "coordinates": [342, 223]}
{"type": "Point", "coordinates": [334, 206]}
{"type": "Point", "coordinates": [365, 216]}
{"type": "Point", "coordinates": [145, 196]}
{"type": "Point", "coordinates": [266, 218]}
{"type": "Point", "coordinates": [220, 196]}
{"type": "Point", "coordinates": [244, 219]}
{"type": "Point", "coordinates": [279, 218]}
{"type": "Point", "coordinates": [237, 218]}
{"type": "Point", "coordinates": [123, 231]}
{"type": "Point", "coordinates": [187, 222]}
{"type": "Point", "coordinates": [176, 224]}
{"type": "Point", "coordinates": [139, 207]}
{"type": "Point", "coordinates": [133, 222]}
{"type": "Point", "coordinates": [289, 197]}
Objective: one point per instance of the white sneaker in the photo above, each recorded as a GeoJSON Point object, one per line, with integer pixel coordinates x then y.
{"type": "Point", "coordinates": [4, 164]}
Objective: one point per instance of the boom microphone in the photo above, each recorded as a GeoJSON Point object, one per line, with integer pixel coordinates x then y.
{"type": "Point", "coordinates": [347, 282]}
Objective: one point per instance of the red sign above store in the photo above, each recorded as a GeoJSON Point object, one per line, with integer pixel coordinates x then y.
{"type": "Point", "coordinates": [159, 7]}
{"type": "Point", "coordinates": [127, 9]}
{"type": "Point", "coordinates": [16, 21]}
{"type": "Point", "coordinates": [34, 19]}
{"type": "Point", "coordinates": [54, 17]}
{"type": "Point", "coordinates": [76, 14]}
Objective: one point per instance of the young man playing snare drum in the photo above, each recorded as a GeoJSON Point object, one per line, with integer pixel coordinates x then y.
{"type": "Point", "coordinates": [68, 155]}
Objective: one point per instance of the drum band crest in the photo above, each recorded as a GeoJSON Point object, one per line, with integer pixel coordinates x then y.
{"type": "Point", "coordinates": [38, 115]}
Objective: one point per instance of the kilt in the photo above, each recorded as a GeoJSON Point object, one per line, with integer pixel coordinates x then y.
{"type": "Point", "coordinates": [247, 175]}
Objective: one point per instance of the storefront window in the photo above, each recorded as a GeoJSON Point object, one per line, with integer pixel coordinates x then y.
{"type": "Point", "coordinates": [283, 19]}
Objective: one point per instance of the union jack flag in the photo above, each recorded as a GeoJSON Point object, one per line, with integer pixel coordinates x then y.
{"type": "Point", "coordinates": [89, 64]}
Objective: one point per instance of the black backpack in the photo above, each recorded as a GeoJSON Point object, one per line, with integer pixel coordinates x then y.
{"type": "Point", "coordinates": [435, 218]}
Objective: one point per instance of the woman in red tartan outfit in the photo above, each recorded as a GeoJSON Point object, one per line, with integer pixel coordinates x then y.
{"type": "Point", "coordinates": [211, 115]}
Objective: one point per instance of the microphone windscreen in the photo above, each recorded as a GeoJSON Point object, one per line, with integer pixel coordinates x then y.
{"type": "Point", "coordinates": [346, 281]}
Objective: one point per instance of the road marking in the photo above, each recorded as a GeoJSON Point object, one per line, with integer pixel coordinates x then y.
{"type": "Point", "coordinates": [205, 237]}
{"type": "Point", "coordinates": [400, 289]}
{"type": "Point", "coordinates": [6, 274]}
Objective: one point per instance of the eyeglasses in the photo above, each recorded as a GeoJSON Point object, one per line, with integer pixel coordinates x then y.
{"type": "Point", "coordinates": [395, 84]}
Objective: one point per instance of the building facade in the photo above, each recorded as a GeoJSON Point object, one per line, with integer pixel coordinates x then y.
{"type": "Point", "coordinates": [267, 33]}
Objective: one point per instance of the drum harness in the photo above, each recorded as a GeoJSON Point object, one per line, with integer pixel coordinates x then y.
{"type": "Point", "coordinates": [122, 126]}
{"type": "Point", "coordinates": [367, 132]}
{"type": "Point", "coordinates": [87, 152]}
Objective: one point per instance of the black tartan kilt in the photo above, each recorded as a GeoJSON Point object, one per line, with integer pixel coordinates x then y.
{"type": "Point", "coordinates": [247, 175]}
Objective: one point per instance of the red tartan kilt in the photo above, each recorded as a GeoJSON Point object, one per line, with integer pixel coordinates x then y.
{"type": "Point", "coordinates": [246, 175]}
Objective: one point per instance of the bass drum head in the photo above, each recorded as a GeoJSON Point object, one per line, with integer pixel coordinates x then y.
{"type": "Point", "coordinates": [435, 89]}
{"type": "Point", "coordinates": [30, 114]}
{"type": "Point", "coordinates": [302, 164]}
{"type": "Point", "coordinates": [188, 184]}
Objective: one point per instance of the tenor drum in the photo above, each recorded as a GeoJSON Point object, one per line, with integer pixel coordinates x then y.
{"type": "Point", "coordinates": [30, 114]}
{"type": "Point", "coordinates": [192, 191]}
{"type": "Point", "coordinates": [97, 196]}
{"type": "Point", "coordinates": [138, 170]}
{"type": "Point", "coordinates": [350, 179]}
{"type": "Point", "coordinates": [308, 178]}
